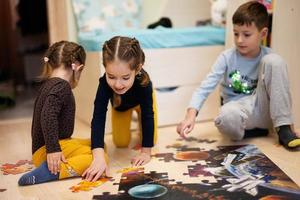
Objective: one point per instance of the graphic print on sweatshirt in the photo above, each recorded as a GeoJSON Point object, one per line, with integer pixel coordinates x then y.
{"type": "Point", "coordinates": [241, 83]}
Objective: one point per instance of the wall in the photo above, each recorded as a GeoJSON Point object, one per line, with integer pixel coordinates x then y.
{"type": "Point", "coordinates": [286, 42]}
{"type": "Point", "coordinates": [232, 6]}
{"type": "Point", "coordinates": [57, 20]}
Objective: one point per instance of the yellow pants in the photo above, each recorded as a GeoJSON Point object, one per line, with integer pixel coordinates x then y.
{"type": "Point", "coordinates": [121, 124]}
{"type": "Point", "coordinates": [77, 152]}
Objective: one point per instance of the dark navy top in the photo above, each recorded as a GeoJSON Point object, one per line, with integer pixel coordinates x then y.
{"type": "Point", "coordinates": [136, 95]}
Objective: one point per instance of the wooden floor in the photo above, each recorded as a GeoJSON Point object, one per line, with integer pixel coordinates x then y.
{"type": "Point", "coordinates": [15, 144]}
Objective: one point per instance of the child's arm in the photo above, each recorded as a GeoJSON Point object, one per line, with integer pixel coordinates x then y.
{"type": "Point", "coordinates": [50, 126]}
{"type": "Point", "coordinates": [201, 94]}
{"type": "Point", "coordinates": [148, 125]}
{"type": "Point", "coordinates": [98, 165]}
{"type": "Point", "coordinates": [99, 114]}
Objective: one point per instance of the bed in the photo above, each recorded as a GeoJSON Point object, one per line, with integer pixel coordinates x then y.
{"type": "Point", "coordinates": [159, 37]}
{"type": "Point", "coordinates": [177, 59]}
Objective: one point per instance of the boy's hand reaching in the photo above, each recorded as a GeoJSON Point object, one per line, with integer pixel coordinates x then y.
{"type": "Point", "coordinates": [143, 158]}
{"type": "Point", "coordinates": [187, 125]}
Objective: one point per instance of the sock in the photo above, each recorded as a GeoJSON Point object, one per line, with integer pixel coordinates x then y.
{"type": "Point", "coordinates": [256, 132]}
{"type": "Point", "coordinates": [287, 138]}
{"type": "Point", "coordinates": [38, 175]}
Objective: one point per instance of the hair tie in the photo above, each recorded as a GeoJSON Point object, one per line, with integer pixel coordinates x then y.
{"type": "Point", "coordinates": [46, 59]}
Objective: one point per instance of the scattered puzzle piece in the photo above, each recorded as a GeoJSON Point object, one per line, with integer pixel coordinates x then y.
{"type": "Point", "coordinates": [193, 139]}
{"type": "Point", "coordinates": [130, 170]}
{"type": "Point", "coordinates": [2, 190]}
{"type": "Point", "coordinates": [176, 145]}
{"type": "Point", "coordinates": [20, 167]}
{"type": "Point", "coordinates": [87, 185]}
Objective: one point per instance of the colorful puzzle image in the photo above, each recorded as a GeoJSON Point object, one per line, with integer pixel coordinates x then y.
{"type": "Point", "coordinates": [225, 172]}
{"type": "Point", "coordinates": [20, 167]}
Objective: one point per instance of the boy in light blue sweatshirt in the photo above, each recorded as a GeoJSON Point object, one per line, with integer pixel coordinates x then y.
{"type": "Point", "coordinates": [254, 84]}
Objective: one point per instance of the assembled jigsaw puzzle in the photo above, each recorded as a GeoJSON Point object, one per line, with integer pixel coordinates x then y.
{"type": "Point", "coordinates": [226, 172]}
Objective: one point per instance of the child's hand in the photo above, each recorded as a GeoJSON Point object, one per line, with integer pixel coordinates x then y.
{"type": "Point", "coordinates": [143, 158]}
{"type": "Point", "coordinates": [54, 160]}
{"type": "Point", "coordinates": [98, 166]}
{"type": "Point", "coordinates": [187, 125]}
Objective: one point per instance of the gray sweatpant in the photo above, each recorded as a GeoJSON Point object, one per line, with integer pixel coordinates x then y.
{"type": "Point", "coordinates": [269, 106]}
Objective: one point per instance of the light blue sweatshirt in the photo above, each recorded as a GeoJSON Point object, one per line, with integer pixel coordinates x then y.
{"type": "Point", "coordinates": [230, 69]}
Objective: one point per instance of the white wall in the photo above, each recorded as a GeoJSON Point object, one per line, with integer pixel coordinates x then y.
{"type": "Point", "coordinates": [232, 6]}
{"type": "Point", "coordinates": [286, 42]}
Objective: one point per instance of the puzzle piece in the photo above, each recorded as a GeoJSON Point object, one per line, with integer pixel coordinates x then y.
{"type": "Point", "coordinates": [197, 170]}
{"type": "Point", "coordinates": [166, 157]}
{"type": "Point", "coordinates": [185, 154]}
{"type": "Point", "coordinates": [20, 167]}
{"type": "Point", "coordinates": [193, 142]}
{"type": "Point", "coordinates": [130, 170]}
{"type": "Point", "coordinates": [87, 185]}
{"type": "Point", "coordinates": [193, 139]}
{"type": "Point", "coordinates": [181, 168]}
{"type": "Point", "coordinates": [2, 190]}
{"type": "Point", "coordinates": [176, 145]}
{"type": "Point", "coordinates": [191, 155]}
{"type": "Point", "coordinates": [106, 196]}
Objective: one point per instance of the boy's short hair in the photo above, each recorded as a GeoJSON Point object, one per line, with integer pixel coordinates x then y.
{"type": "Point", "coordinates": [249, 12]}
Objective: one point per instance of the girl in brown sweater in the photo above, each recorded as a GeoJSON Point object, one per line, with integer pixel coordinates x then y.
{"type": "Point", "coordinates": [55, 154]}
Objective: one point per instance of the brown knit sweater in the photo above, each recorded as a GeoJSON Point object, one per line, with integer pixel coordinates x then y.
{"type": "Point", "coordinates": [53, 116]}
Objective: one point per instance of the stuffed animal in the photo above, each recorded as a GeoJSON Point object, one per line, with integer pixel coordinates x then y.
{"type": "Point", "coordinates": [218, 12]}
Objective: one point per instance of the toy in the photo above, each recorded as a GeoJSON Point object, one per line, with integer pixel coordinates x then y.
{"type": "Point", "coordinates": [218, 12]}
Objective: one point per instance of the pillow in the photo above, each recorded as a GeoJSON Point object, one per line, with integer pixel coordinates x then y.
{"type": "Point", "coordinates": [101, 16]}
